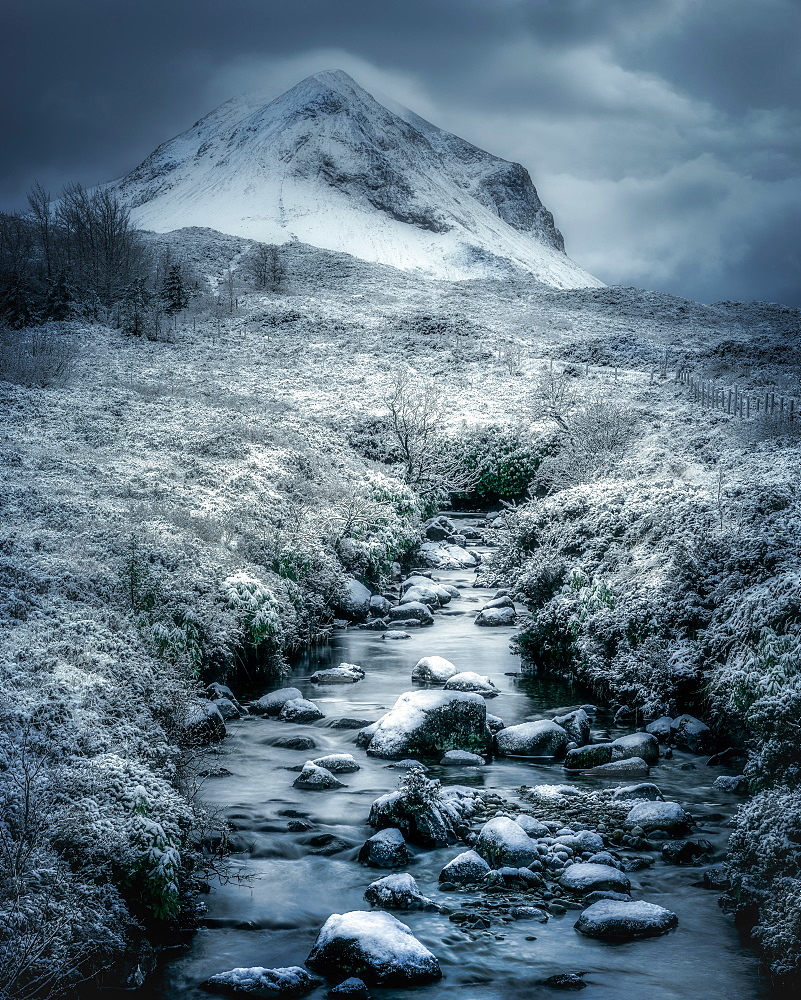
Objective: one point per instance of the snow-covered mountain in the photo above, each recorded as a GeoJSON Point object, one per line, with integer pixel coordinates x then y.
{"type": "Point", "coordinates": [328, 165]}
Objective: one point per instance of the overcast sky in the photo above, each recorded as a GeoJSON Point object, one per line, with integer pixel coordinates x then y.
{"type": "Point", "coordinates": [665, 135]}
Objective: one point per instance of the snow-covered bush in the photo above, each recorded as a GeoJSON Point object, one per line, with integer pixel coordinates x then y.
{"type": "Point", "coordinates": [503, 457]}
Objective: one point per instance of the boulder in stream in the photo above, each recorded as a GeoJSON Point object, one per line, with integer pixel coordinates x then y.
{"type": "Point", "coordinates": [442, 555]}
{"type": "Point", "coordinates": [577, 726]}
{"type": "Point", "coordinates": [462, 758]}
{"type": "Point", "coordinates": [338, 763]}
{"type": "Point", "coordinates": [642, 745]}
{"type": "Point", "coordinates": [299, 710]}
{"type": "Point", "coordinates": [272, 703]}
{"type": "Point", "coordinates": [430, 722]}
{"type": "Point", "coordinates": [532, 739]}
{"type": "Point", "coordinates": [590, 756]}
{"type": "Point", "coordinates": [398, 892]}
{"type": "Point", "coordinates": [203, 723]}
{"type": "Point", "coordinates": [433, 670]}
{"type": "Point", "coordinates": [280, 983]}
{"type": "Point", "coordinates": [345, 673]}
{"type": "Point", "coordinates": [413, 611]}
{"type": "Point", "coordinates": [613, 920]}
{"type": "Point", "coordinates": [645, 790]}
{"type": "Point", "coordinates": [314, 778]}
{"type": "Point", "coordinates": [353, 601]}
{"type": "Point", "coordinates": [631, 767]}
{"type": "Point", "coordinates": [503, 842]}
{"type": "Point", "coordinates": [376, 947]}
{"type": "Point", "coordinates": [687, 731]}
{"type": "Point", "coordinates": [494, 617]}
{"type": "Point", "coordinates": [349, 989]}
{"type": "Point", "coordinates": [467, 868]}
{"type": "Point", "coordinates": [385, 849]}
{"type": "Point", "coordinates": [470, 681]}
{"type": "Point", "coordinates": [588, 877]}
{"type": "Point", "coordinates": [667, 816]}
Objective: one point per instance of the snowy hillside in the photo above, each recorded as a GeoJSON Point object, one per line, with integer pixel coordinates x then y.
{"type": "Point", "coordinates": [327, 165]}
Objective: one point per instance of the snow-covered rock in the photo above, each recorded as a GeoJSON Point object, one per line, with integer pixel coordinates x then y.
{"type": "Point", "coordinates": [376, 946]}
{"type": "Point", "coordinates": [425, 595]}
{"type": "Point", "coordinates": [413, 611]}
{"type": "Point", "coordinates": [631, 767]}
{"type": "Point", "coordinates": [577, 726]}
{"type": "Point", "coordinates": [338, 763]}
{"type": "Point", "coordinates": [668, 816]}
{"type": "Point", "coordinates": [430, 722]}
{"type": "Point", "coordinates": [443, 555]}
{"type": "Point", "coordinates": [471, 681]}
{"type": "Point", "coordinates": [385, 849]}
{"type": "Point", "coordinates": [399, 634]}
{"type": "Point", "coordinates": [532, 739]}
{"type": "Point", "coordinates": [613, 920]}
{"type": "Point", "coordinates": [280, 983]}
{"type": "Point", "coordinates": [532, 826]}
{"type": "Point", "coordinates": [502, 841]}
{"type": "Point", "coordinates": [353, 601]}
{"type": "Point", "coordinates": [272, 703]}
{"type": "Point", "coordinates": [586, 877]}
{"type": "Point", "coordinates": [462, 758]}
{"type": "Point", "coordinates": [349, 989]}
{"type": "Point", "coordinates": [595, 755]}
{"type": "Point", "coordinates": [494, 617]}
{"type": "Point", "coordinates": [645, 790]}
{"type": "Point", "coordinates": [433, 670]}
{"type": "Point", "coordinates": [299, 710]}
{"type": "Point", "coordinates": [660, 728]}
{"type": "Point", "coordinates": [314, 778]}
{"type": "Point", "coordinates": [398, 892]}
{"type": "Point", "coordinates": [203, 723]}
{"type": "Point", "coordinates": [467, 868]}
{"type": "Point", "coordinates": [642, 745]}
{"type": "Point", "coordinates": [687, 731]}
{"type": "Point", "coordinates": [345, 673]}
{"type": "Point", "coordinates": [426, 813]}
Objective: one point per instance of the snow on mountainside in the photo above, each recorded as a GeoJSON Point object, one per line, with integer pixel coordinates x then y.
{"type": "Point", "coordinates": [326, 164]}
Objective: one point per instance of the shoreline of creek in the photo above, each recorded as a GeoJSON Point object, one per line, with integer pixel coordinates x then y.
{"type": "Point", "coordinates": [302, 846]}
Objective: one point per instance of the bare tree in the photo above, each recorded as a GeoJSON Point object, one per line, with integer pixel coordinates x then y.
{"type": "Point", "coordinates": [266, 268]}
{"type": "Point", "coordinates": [416, 411]}
{"type": "Point", "coordinates": [41, 214]}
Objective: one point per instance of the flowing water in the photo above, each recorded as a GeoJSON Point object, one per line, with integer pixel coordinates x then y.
{"type": "Point", "coordinates": [302, 877]}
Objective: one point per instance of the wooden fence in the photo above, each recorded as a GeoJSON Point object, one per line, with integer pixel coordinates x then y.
{"type": "Point", "coordinates": [733, 400]}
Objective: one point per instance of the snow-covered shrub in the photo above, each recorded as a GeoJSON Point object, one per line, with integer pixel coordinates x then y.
{"type": "Point", "coordinates": [503, 457]}
{"type": "Point", "coordinates": [765, 862]}
{"type": "Point", "coordinates": [257, 609]}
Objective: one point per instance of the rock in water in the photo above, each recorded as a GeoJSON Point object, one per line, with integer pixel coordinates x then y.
{"type": "Point", "coordinates": [590, 756]}
{"type": "Point", "coordinates": [353, 601]}
{"type": "Point", "coordinates": [667, 816]}
{"type": "Point", "coordinates": [429, 723]}
{"type": "Point", "coordinates": [462, 758]}
{"type": "Point", "coordinates": [646, 790]}
{"type": "Point", "coordinates": [565, 981]}
{"type": "Point", "coordinates": [442, 555]}
{"type": "Point", "coordinates": [349, 989]}
{"type": "Point", "coordinates": [466, 868]}
{"type": "Point", "coordinates": [470, 681]}
{"type": "Point", "coordinates": [612, 920]}
{"type": "Point", "coordinates": [687, 731]}
{"type": "Point", "coordinates": [532, 826]}
{"type": "Point", "coordinates": [642, 745]}
{"type": "Point", "coordinates": [338, 763]}
{"type": "Point", "coordinates": [585, 877]}
{"type": "Point", "coordinates": [503, 842]}
{"type": "Point", "coordinates": [494, 617]}
{"type": "Point", "coordinates": [272, 703]}
{"type": "Point", "coordinates": [385, 849]}
{"type": "Point", "coordinates": [345, 673]}
{"type": "Point", "coordinates": [398, 892]}
{"type": "Point", "coordinates": [532, 739]}
{"type": "Point", "coordinates": [576, 725]}
{"type": "Point", "coordinates": [632, 767]}
{"type": "Point", "coordinates": [314, 778]}
{"type": "Point", "coordinates": [290, 982]}
{"type": "Point", "coordinates": [433, 670]}
{"type": "Point", "coordinates": [299, 710]}
{"type": "Point", "coordinates": [374, 946]}
{"type": "Point", "coordinates": [411, 612]}
{"type": "Point", "coordinates": [203, 723]}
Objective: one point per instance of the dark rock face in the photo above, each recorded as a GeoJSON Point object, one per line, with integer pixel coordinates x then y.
{"type": "Point", "coordinates": [685, 852]}
{"type": "Point", "coordinates": [687, 731]}
{"type": "Point", "coordinates": [591, 756]}
{"type": "Point", "coordinates": [272, 703]}
{"type": "Point", "coordinates": [281, 983]}
{"type": "Point", "coordinates": [577, 726]}
{"type": "Point", "coordinates": [613, 920]}
{"type": "Point", "coordinates": [385, 849]}
{"type": "Point", "coordinates": [642, 745]}
{"type": "Point", "coordinates": [532, 739]}
{"type": "Point", "coordinates": [429, 723]}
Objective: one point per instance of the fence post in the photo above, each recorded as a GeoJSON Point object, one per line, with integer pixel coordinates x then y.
{"type": "Point", "coordinates": [748, 408]}
{"type": "Point", "coordinates": [728, 403]}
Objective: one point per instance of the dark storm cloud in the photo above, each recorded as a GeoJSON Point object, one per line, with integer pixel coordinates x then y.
{"type": "Point", "coordinates": [664, 134]}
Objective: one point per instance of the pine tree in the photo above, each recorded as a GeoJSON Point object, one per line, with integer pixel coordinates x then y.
{"type": "Point", "coordinates": [59, 302]}
{"type": "Point", "coordinates": [174, 294]}
{"type": "Point", "coordinates": [134, 309]}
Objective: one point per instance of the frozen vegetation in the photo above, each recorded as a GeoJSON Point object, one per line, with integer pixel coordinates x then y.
{"type": "Point", "coordinates": [199, 463]}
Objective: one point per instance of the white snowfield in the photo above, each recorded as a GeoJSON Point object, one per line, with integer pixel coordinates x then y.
{"type": "Point", "coordinates": [328, 165]}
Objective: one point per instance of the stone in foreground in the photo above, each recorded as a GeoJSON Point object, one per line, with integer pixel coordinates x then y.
{"type": "Point", "coordinates": [495, 617]}
{"type": "Point", "coordinates": [345, 673]}
{"type": "Point", "coordinates": [290, 982]}
{"type": "Point", "coordinates": [338, 763]}
{"type": "Point", "coordinates": [471, 681]}
{"type": "Point", "coordinates": [430, 722]}
{"type": "Point", "coordinates": [374, 946]}
{"type": "Point", "coordinates": [462, 758]}
{"type": "Point", "coordinates": [349, 989]}
{"type": "Point", "coordinates": [385, 849]}
{"type": "Point", "coordinates": [504, 842]}
{"type": "Point", "coordinates": [612, 920]}
{"type": "Point", "coordinates": [466, 868]}
{"type": "Point", "coordinates": [667, 816]}
{"type": "Point", "coordinates": [299, 710]}
{"type": "Point", "coordinates": [398, 892]}
{"type": "Point", "coordinates": [433, 670]}
{"type": "Point", "coordinates": [631, 767]}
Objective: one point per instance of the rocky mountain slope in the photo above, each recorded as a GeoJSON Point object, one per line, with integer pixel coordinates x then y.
{"type": "Point", "coordinates": [328, 165]}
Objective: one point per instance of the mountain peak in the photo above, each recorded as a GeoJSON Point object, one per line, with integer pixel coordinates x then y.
{"type": "Point", "coordinates": [327, 164]}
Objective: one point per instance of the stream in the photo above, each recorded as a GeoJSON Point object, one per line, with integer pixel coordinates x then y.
{"type": "Point", "coordinates": [303, 876]}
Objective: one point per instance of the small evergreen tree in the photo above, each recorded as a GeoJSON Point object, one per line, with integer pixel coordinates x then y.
{"type": "Point", "coordinates": [134, 310]}
{"type": "Point", "coordinates": [174, 293]}
{"type": "Point", "coordinates": [60, 300]}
